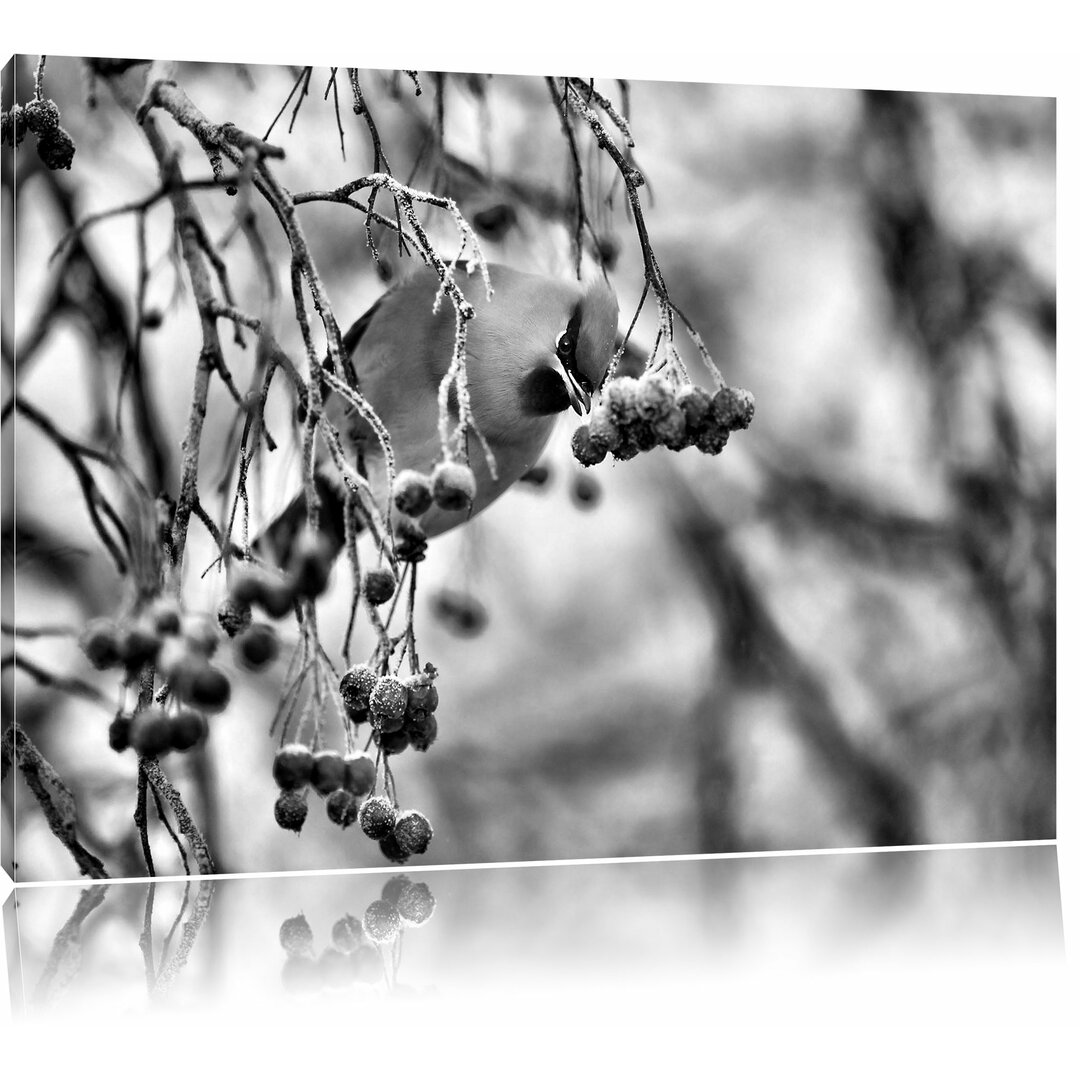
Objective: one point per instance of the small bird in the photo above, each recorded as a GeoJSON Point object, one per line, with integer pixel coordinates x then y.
{"type": "Point", "coordinates": [538, 347]}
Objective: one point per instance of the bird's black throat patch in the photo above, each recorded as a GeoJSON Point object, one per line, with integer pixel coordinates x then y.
{"type": "Point", "coordinates": [543, 392]}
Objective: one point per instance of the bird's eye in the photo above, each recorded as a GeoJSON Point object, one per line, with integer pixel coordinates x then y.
{"type": "Point", "coordinates": [564, 346]}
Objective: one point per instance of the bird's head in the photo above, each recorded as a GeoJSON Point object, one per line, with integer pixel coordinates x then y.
{"type": "Point", "coordinates": [585, 346]}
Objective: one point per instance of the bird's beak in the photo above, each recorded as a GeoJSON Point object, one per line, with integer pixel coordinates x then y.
{"type": "Point", "coordinates": [580, 401]}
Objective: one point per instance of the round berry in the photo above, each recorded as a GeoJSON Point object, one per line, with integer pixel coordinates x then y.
{"type": "Point", "coordinates": [393, 888]}
{"type": "Point", "coordinates": [711, 437]}
{"type": "Point", "coordinates": [378, 586]}
{"type": "Point", "coordinates": [246, 586]}
{"type": "Point", "coordinates": [416, 904]}
{"type": "Point", "coordinates": [413, 832]}
{"type": "Point", "coordinates": [381, 922]}
{"type": "Point", "coordinates": [290, 810]}
{"type": "Point", "coordinates": [585, 491]}
{"type": "Point", "coordinates": [151, 732]}
{"type": "Point", "coordinates": [733, 407]}
{"type": "Point", "coordinates": [292, 766]}
{"type": "Point", "coordinates": [585, 450]}
{"type": "Point", "coordinates": [359, 714]}
{"type": "Point", "coordinates": [412, 492]}
{"type": "Point", "coordinates": [359, 774]}
{"type": "Point", "coordinates": [422, 731]}
{"type": "Point", "coordinates": [620, 400]}
{"type": "Point", "coordinates": [209, 688]}
{"type": "Point", "coordinates": [276, 598]}
{"type": "Point", "coordinates": [393, 742]}
{"type": "Point", "coordinates": [392, 850]}
{"type": "Point", "coordinates": [138, 644]}
{"type": "Point", "coordinates": [694, 403]}
{"type": "Point", "coordinates": [233, 616]}
{"type": "Point", "coordinates": [327, 771]}
{"type": "Point", "coordinates": [342, 808]}
{"type": "Point", "coordinates": [347, 934]}
{"type": "Point", "coordinates": [377, 817]}
{"type": "Point", "coordinates": [120, 732]}
{"type": "Point", "coordinates": [423, 697]}
{"type": "Point", "coordinates": [189, 728]}
{"type": "Point", "coordinates": [165, 615]}
{"type": "Point", "coordinates": [357, 684]}
{"type": "Point", "coordinates": [100, 641]}
{"type": "Point", "coordinates": [309, 568]}
{"type": "Point", "coordinates": [655, 397]}
{"type": "Point", "coordinates": [257, 646]}
{"type": "Point", "coordinates": [385, 725]}
{"type": "Point", "coordinates": [296, 937]}
{"type": "Point", "coordinates": [603, 431]}
{"type": "Point", "coordinates": [671, 429]}
{"type": "Point", "coordinates": [389, 698]}
{"type": "Point", "coordinates": [454, 485]}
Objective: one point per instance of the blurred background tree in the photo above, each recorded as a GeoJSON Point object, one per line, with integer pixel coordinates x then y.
{"type": "Point", "coordinates": [839, 632]}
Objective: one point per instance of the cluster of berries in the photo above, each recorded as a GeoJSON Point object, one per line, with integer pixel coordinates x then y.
{"type": "Point", "coordinates": [347, 784]}
{"type": "Point", "coordinates": [42, 117]}
{"type": "Point", "coordinates": [635, 415]}
{"type": "Point", "coordinates": [450, 486]}
{"type": "Point", "coordinates": [401, 711]}
{"type": "Point", "coordinates": [181, 647]}
{"type": "Point", "coordinates": [353, 954]}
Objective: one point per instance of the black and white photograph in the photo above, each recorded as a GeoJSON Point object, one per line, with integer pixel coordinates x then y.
{"type": "Point", "coordinates": [472, 531]}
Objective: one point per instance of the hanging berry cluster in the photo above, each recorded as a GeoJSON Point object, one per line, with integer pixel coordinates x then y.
{"type": "Point", "coordinates": [365, 950]}
{"type": "Point", "coordinates": [634, 416]}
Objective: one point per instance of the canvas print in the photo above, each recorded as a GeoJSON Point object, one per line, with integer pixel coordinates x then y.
{"type": "Point", "coordinates": [409, 467]}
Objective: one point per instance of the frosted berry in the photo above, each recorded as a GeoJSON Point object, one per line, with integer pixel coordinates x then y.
{"type": "Point", "coordinates": [151, 732]}
{"type": "Point", "coordinates": [296, 937]}
{"type": "Point", "coordinates": [100, 641]}
{"type": "Point", "coordinates": [377, 817]}
{"type": "Point", "coordinates": [347, 934]}
{"type": "Point", "coordinates": [381, 922]}
{"type": "Point", "coordinates": [695, 405]}
{"type": "Point", "coordinates": [384, 725]}
{"type": "Point", "coordinates": [733, 407]}
{"type": "Point", "coordinates": [356, 685]}
{"type": "Point", "coordinates": [233, 616]}
{"type": "Point", "coordinates": [327, 771]}
{"type": "Point", "coordinates": [342, 808]}
{"type": "Point", "coordinates": [422, 731]}
{"type": "Point", "coordinates": [392, 850]}
{"type": "Point", "coordinates": [603, 431]}
{"type": "Point", "coordinates": [671, 429]}
{"type": "Point", "coordinates": [412, 492]}
{"type": "Point", "coordinates": [453, 485]}
{"type": "Point", "coordinates": [257, 646]}
{"type": "Point", "coordinates": [120, 732]}
{"type": "Point", "coordinates": [655, 397]}
{"type": "Point", "coordinates": [378, 586]}
{"type": "Point", "coordinates": [416, 904]}
{"type": "Point", "coordinates": [712, 437]}
{"type": "Point", "coordinates": [209, 688]}
{"type": "Point", "coordinates": [188, 729]}
{"type": "Point", "coordinates": [389, 697]}
{"type": "Point", "coordinates": [413, 832]}
{"type": "Point", "coordinates": [423, 696]}
{"type": "Point", "coordinates": [359, 714]}
{"type": "Point", "coordinates": [309, 568]}
{"type": "Point", "coordinates": [585, 450]}
{"type": "Point", "coordinates": [359, 774]}
{"type": "Point", "coordinates": [620, 400]}
{"type": "Point", "coordinates": [290, 810]}
{"type": "Point", "coordinates": [292, 766]}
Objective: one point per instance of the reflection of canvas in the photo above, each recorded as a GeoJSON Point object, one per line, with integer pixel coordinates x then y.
{"type": "Point", "coordinates": [838, 631]}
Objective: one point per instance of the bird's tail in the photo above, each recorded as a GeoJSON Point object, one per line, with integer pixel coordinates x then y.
{"type": "Point", "coordinates": [277, 540]}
